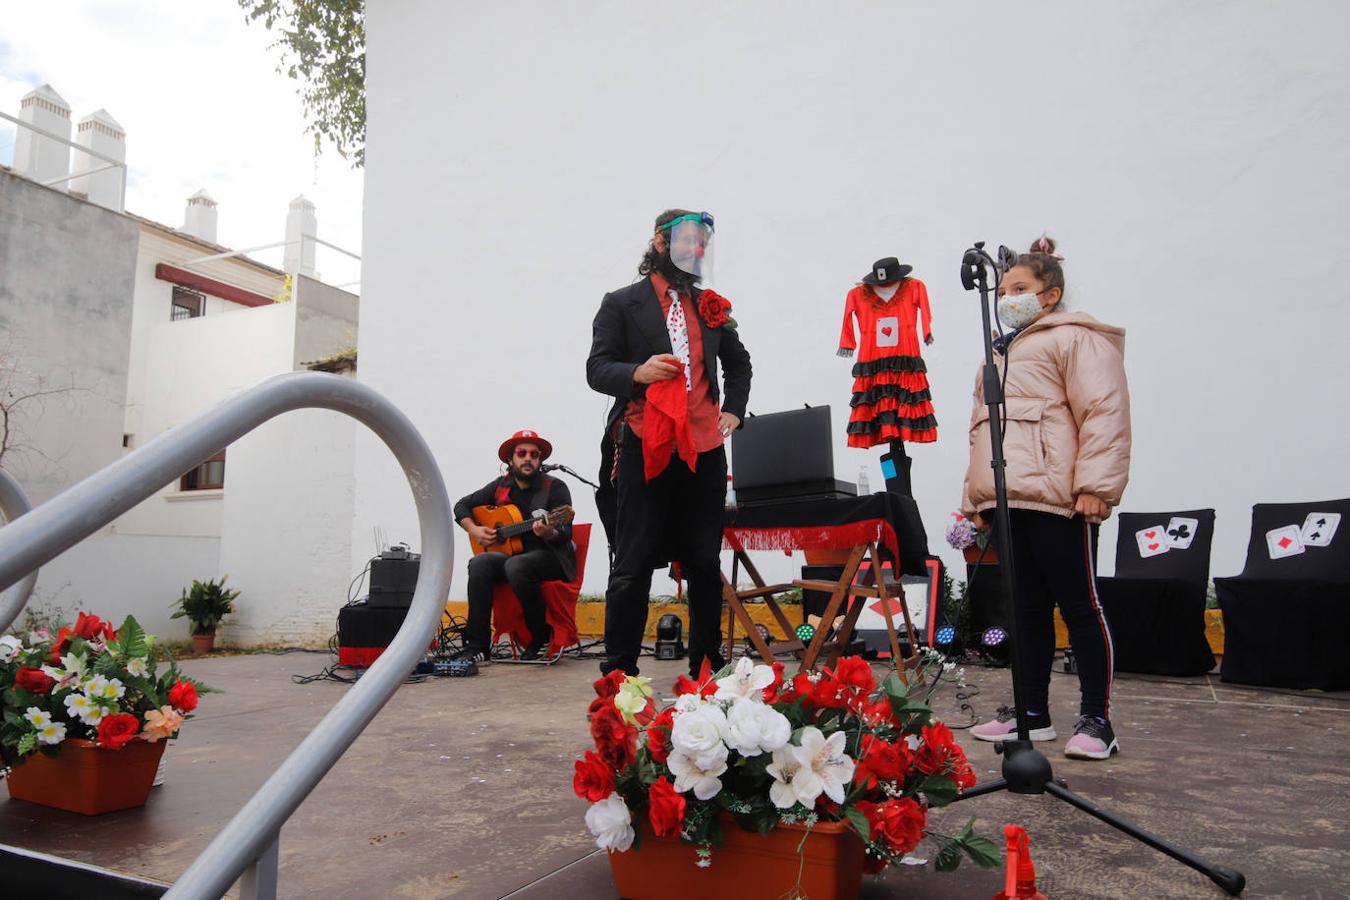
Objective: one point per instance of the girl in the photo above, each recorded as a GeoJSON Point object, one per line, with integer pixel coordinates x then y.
{"type": "Point", "coordinates": [1067, 445]}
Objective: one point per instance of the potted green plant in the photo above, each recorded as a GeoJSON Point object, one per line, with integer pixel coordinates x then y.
{"type": "Point", "coordinates": [204, 605]}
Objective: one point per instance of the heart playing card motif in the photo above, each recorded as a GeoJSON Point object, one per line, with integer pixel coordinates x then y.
{"type": "Point", "coordinates": [1319, 528]}
{"type": "Point", "coordinates": [888, 331]}
{"type": "Point", "coordinates": [1152, 541]}
{"type": "Point", "coordinates": [1284, 541]}
{"type": "Point", "coordinates": [1180, 532]}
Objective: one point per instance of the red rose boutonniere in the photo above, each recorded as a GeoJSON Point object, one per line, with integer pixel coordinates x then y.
{"type": "Point", "coordinates": [715, 310]}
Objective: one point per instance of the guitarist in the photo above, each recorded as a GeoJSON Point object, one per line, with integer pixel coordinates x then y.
{"type": "Point", "coordinates": [548, 555]}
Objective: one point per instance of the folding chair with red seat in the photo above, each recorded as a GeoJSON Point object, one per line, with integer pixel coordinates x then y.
{"type": "Point", "coordinates": [560, 606]}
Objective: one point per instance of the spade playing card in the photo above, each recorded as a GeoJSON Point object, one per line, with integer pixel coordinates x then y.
{"type": "Point", "coordinates": [1282, 542]}
{"type": "Point", "coordinates": [1180, 532]}
{"type": "Point", "coordinates": [1152, 541]}
{"type": "Point", "coordinates": [1319, 529]}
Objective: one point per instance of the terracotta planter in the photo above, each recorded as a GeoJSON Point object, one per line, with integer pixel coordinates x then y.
{"type": "Point", "coordinates": [972, 554]}
{"type": "Point", "coordinates": [827, 557]}
{"type": "Point", "coordinates": [203, 644]}
{"type": "Point", "coordinates": [748, 865]}
{"type": "Point", "coordinates": [85, 778]}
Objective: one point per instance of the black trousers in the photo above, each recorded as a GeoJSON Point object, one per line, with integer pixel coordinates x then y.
{"type": "Point", "coordinates": [1056, 562]}
{"type": "Point", "coordinates": [677, 516]}
{"type": "Point", "coordinates": [524, 572]}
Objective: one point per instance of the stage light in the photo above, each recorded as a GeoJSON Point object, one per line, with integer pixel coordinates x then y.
{"type": "Point", "coordinates": [669, 630]}
{"type": "Point", "coordinates": [946, 636]}
{"type": "Point", "coordinates": [805, 632]}
{"type": "Point", "coordinates": [763, 630]}
{"type": "Point", "coordinates": [994, 637]}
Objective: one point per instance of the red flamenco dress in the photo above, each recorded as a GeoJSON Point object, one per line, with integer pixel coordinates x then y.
{"type": "Point", "coordinates": [891, 400]}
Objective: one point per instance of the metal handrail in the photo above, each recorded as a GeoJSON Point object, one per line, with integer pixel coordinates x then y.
{"type": "Point", "coordinates": [52, 528]}
{"type": "Point", "coordinates": [14, 503]}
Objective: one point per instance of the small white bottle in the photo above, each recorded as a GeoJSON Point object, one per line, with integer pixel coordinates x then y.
{"type": "Point", "coordinates": [731, 493]}
{"type": "Point", "coordinates": [863, 487]}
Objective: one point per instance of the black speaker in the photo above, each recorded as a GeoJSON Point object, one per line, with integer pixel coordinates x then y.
{"type": "Point", "coordinates": [364, 626]}
{"type": "Point", "coordinates": [393, 576]}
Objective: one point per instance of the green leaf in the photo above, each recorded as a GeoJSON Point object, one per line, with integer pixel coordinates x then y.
{"type": "Point", "coordinates": [949, 857]}
{"type": "Point", "coordinates": [131, 638]}
{"type": "Point", "coordinates": [982, 851]}
{"type": "Point", "coordinates": [859, 822]}
{"type": "Point", "coordinates": [939, 789]}
{"type": "Point", "coordinates": [27, 743]}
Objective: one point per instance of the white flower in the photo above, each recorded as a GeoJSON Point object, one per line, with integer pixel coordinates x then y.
{"type": "Point", "coordinates": [611, 823]}
{"type": "Point", "coordinates": [100, 688]}
{"type": "Point", "coordinates": [754, 728]}
{"type": "Point", "coordinates": [94, 687]}
{"type": "Point", "coordinates": [38, 718]}
{"type": "Point", "coordinates": [700, 733]}
{"type": "Point", "coordinates": [827, 760]}
{"type": "Point", "coordinates": [10, 647]}
{"type": "Point", "coordinates": [73, 670]}
{"type": "Point", "coordinates": [51, 733]}
{"type": "Point", "coordinates": [688, 703]}
{"type": "Point", "coordinates": [746, 681]}
{"type": "Point", "coordinates": [791, 780]}
{"type": "Point", "coordinates": [87, 711]}
{"type": "Point", "coordinates": [138, 667]}
{"type": "Point", "coordinates": [701, 773]}
{"type": "Point", "coordinates": [37, 637]}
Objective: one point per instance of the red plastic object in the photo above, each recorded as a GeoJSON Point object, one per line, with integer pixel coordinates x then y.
{"type": "Point", "coordinates": [560, 604]}
{"type": "Point", "coordinates": [1021, 879]}
{"type": "Point", "coordinates": [86, 778]}
{"type": "Point", "coordinates": [359, 657]}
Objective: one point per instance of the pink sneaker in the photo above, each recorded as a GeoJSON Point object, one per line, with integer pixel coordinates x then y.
{"type": "Point", "coordinates": [1092, 738]}
{"type": "Point", "coordinates": [1004, 726]}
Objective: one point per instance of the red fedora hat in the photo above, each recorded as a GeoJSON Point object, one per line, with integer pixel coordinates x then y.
{"type": "Point", "coordinates": [524, 436]}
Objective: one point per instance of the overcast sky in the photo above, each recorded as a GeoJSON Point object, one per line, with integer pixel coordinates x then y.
{"type": "Point", "coordinates": [196, 89]}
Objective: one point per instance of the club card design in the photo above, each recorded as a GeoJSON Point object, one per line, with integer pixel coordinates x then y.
{"type": "Point", "coordinates": [1152, 541]}
{"type": "Point", "coordinates": [1319, 529]}
{"type": "Point", "coordinates": [888, 331]}
{"type": "Point", "coordinates": [1181, 531]}
{"type": "Point", "coordinates": [1285, 541]}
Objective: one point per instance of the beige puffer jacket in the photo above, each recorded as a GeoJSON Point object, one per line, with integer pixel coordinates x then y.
{"type": "Point", "coordinates": [1068, 420]}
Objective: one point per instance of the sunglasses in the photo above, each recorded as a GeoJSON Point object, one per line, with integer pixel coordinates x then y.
{"type": "Point", "coordinates": [527, 454]}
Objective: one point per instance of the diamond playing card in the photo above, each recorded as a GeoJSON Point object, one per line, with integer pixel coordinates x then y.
{"type": "Point", "coordinates": [1180, 532]}
{"type": "Point", "coordinates": [1285, 541]}
{"type": "Point", "coordinates": [1319, 528]}
{"type": "Point", "coordinates": [1152, 541]}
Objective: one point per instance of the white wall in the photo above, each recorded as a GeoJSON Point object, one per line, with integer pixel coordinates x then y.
{"type": "Point", "coordinates": [1190, 157]}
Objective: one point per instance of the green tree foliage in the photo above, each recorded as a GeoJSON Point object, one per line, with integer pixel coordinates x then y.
{"type": "Point", "coordinates": [323, 46]}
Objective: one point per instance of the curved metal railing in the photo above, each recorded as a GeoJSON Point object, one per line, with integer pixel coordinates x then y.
{"type": "Point", "coordinates": [14, 503]}
{"type": "Point", "coordinates": [38, 536]}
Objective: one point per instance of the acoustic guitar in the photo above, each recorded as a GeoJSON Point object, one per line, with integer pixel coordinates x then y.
{"type": "Point", "coordinates": [511, 524]}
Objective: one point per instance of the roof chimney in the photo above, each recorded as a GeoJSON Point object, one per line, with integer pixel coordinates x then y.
{"type": "Point", "coordinates": [200, 219]}
{"type": "Point", "coordinates": [100, 133]}
{"type": "Point", "coordinates": [301, 228]}
{"type": "Point", "coordinates": [37, 156]}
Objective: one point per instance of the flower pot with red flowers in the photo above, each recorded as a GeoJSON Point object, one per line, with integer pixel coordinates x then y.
{"type": "Point", "coordinates": [86, 713]}
{"type": "Point", "coordinates": [204, 605]}
{"type": "Point", "coordinates": [752, 785]}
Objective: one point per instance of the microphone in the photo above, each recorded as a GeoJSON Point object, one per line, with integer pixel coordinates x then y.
{"type": "Point", "coordinates": [1006, 258]}
{"type": "Point", "coordinates": [551, 467]}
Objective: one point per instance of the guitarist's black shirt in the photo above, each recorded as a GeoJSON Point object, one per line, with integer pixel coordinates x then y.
{"type": "Point", "coordinates": [524, 499]}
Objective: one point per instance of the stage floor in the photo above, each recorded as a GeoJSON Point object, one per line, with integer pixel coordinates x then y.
{"type": "Point", "coordinates": [462, 788]}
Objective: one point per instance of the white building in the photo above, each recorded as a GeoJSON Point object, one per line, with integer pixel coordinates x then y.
{"type": "Point", "coordinates": [1189, 157]}
{"type": "Point", "coordinates": [139, 326]}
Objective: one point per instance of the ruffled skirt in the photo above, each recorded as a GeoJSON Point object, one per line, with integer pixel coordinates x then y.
{"type": "Point", "coordinates": [891, 402]}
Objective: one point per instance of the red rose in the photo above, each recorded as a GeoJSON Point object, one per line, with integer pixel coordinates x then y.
{"type": "Point", "coordinates": [183, 695]}
{"type": "Point", "coordinates": [594, 779]}
{"type": "Point", "coordinates": [667, 809]}
{"type": "Point", "coordinates": [685, 685]}
{"type": "Point", "coordinates": [936, 749]}
{"type": "Point", "coordinates": [899, 823]}
{"type": "Point", "coordinates": [829, 692]}
{"type": "Point", "coordinates": [771, 692]}
{"type": "Point", "coordinates": [882, 761]}
{"type": "Point", "coordinates": [713, 309]}
{"type": "Point", "coordinates": [35, 681]}
{"type": "Point", "coordinates": [608, 685]}
{"type": "Point", "coordinates": [658, 735]}
{"type": "Point", "coordinates": [59, 646]}
{"type": "Point", "coordinates": [614, 738]}
{"type": "Point", "coordinates": [91, 627]}
{"type": "Point", "coordinates": [597, 704]}
{"type": "Point", "coordinates": [856, 674]}
{"type": "Point", "coordinates": [114, 732]}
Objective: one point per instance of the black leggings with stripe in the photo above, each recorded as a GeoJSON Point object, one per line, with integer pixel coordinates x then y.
{"type": "Point", "coordinates": [1056, 561]}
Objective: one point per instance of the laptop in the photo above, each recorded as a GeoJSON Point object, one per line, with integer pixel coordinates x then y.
{"type": "Point", "coordinates": [786, 456]}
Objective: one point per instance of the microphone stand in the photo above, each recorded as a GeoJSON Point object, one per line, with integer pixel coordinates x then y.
{"type": "Point", "coordinates": [559, 467]}
{"type": "Point", "coordinates": [1025, 769]}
